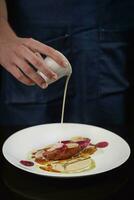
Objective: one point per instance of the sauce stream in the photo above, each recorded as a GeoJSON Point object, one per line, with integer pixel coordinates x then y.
{"type": "Point", "coordinates": [64, 98]}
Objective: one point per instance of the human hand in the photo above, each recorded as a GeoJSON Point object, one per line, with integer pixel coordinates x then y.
{"type": "Point", "coordinates": [17, 54]}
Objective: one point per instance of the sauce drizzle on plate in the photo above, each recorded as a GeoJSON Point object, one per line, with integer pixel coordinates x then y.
{"type": "Point", "coordinates": [27, 163]}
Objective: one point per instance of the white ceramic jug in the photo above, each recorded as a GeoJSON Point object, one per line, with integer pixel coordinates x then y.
{"type": "Point", "coordinates": [55, 67]}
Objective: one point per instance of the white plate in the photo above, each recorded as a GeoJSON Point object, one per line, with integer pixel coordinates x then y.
{"type": "Point", "coordinates": [17, 146]}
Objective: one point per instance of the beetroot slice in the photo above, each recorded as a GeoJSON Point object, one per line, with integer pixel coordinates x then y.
{"type": "Point", "coordinates": [84, 143]}
{"type": "Point", "coordinates": [66, 141]}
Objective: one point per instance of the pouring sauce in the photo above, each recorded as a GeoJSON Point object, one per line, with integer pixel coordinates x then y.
{"type": "Point", "coordinates": [64, 98]}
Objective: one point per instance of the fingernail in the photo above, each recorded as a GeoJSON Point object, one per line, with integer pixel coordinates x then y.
{"type": "Point", "coordinates": [44, 85]}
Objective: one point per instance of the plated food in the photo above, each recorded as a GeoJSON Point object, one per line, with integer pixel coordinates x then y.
{"type": "Point", "coordinates": [68, 156]}
{"type": "Point", "coordinates": [21, 147]}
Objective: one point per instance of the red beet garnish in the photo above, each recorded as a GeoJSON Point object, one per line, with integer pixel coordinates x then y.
{"type": "Point", "coordinates": [65, 141]}
{"type": "Point", "coordinates": [27, 163]}
{"type": "Point", "coordinates": [102, 144]}
{"type": "Point", "coordinates": [83, 143]}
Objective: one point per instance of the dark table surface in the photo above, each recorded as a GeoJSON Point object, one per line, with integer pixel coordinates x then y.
{"type": "Point", "coordinates": [16, 184]}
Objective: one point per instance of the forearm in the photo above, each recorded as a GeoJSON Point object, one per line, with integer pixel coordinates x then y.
{"type": "Point", "coordinates": [6, 31]}
{"type": "Point", "coordinates": [18, 54]}
{"type": "Point", "coordinates": [3, 9]}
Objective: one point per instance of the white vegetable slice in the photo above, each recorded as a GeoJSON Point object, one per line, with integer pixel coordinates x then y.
{"type": "Point", "coordinates": [39, 154]}
{"type": "Point", "coordinates": [72, 145]}
{"type": "Point", "coordinates": [56, 146]}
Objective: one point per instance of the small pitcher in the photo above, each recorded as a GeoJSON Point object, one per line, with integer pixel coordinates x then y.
{"type": "Point", "coordinates": [55, 67]}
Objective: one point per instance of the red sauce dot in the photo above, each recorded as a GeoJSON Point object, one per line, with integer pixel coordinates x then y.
{"type": "Point", "coordinates": [27, 163]}
{"type": "Point", "coordinates": [102, 144]}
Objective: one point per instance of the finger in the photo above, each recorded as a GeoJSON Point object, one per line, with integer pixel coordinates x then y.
{"type": "Point", "coordinates": [19, 75]}
{"type": "Point", "coordinates": [31, 73]}
{"type": "Point", "coordinates": [46, 50]}
{"type": "Point", "coordinates": [37, 63]}
{"type": "Point", "coordinates": [38, 54]}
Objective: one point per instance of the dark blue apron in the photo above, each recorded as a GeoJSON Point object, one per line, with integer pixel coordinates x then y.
{"type": "Point", "coordinates": [93, 35]}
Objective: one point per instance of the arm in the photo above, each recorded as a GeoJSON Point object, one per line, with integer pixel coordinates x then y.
{"type": "Point", "coordinates": [16, 53]}
{"type": "Point", "coordinates": [3, 10]}
{"type": "Point", "coordinates": [5, 30]}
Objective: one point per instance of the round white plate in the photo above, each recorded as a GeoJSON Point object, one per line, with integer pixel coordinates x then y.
{"type": "Point", "coordinates": [18, 145]}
